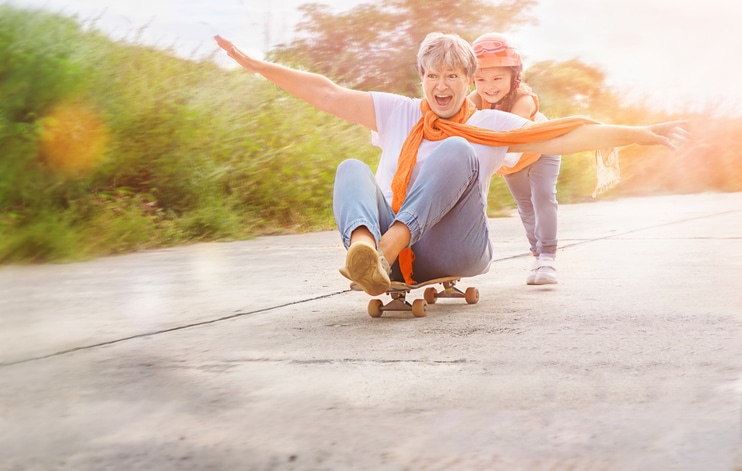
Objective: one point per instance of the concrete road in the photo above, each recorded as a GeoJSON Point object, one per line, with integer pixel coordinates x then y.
{"type": "Point", "coordinates": [255, 355]}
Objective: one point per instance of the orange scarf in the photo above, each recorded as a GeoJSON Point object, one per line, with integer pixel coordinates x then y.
{"type": "Point", "coordinates": [433, 128]}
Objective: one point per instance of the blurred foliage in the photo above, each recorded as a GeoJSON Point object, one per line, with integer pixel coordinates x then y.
{"type": "Point", "coordinates": [710, 161]}
{"type": "Point", "coordinates": [571, 88]}
{"type": "Point", "coordinates": [110, 147]}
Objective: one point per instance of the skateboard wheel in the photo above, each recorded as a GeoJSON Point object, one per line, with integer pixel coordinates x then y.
{"type": "Point", "coordinates": [374, 307]}
{"type": "Point", "coordinates": [471, 295]}
{"type": "Point", "coordinates": [420, 308]}
{"type": "Point", "coordinates": [430, 295]}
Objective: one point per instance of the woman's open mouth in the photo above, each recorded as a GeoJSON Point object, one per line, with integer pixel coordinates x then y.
{"type": "Point", "coordinates": [443, 101]}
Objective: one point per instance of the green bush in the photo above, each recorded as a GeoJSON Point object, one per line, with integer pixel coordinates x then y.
{"type": "Point", "coordinates": [192, 152]}
{"type": "Point", "coordinates": [37, 69]}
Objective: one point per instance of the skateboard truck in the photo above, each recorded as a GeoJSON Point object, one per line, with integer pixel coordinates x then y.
{"type": "Point", "coordinates": [419, 307]}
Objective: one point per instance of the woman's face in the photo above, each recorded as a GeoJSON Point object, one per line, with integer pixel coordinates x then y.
{"type": "Point", "coordinates": [493, 83]}
{"type": "Point", "coordinates": [446, 90]}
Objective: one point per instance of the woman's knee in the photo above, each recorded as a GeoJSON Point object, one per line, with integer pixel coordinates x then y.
{"type": "Point", "coordinates": [350, 166]}
{"type": "Point", "coordinates": [455, 152]}
{"type": "Point", "coordinates": [352, 171]}
{"type": "Point", "coordinates": [457, 145]}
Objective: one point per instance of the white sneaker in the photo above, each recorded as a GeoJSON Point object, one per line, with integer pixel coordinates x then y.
{"type": "Point", "coordinates": [531, 280]}
{"type": "Point", "coordinates": [543, 273]}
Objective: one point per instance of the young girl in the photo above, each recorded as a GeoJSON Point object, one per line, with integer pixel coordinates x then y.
{"type": "Point", "coordinates": [532, 179]}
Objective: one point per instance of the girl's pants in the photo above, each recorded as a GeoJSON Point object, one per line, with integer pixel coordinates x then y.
{"type": "Point", "coordinates": [534, 191]}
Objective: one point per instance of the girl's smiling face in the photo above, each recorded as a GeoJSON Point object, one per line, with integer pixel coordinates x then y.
{"type": "Point", "coordinates": [493, 83]}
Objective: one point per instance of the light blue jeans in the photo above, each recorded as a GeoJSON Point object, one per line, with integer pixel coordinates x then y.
{"type": "Point", "coordinates": [534, 191]}
{"type": "Point", "coordinates": [444, 210]}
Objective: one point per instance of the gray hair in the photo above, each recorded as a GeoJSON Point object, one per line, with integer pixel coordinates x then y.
{"type": "Point", "coordinates": [443, 49]}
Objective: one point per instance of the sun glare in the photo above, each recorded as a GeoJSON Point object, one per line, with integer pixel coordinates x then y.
{"type": "Point", "coordinates": [73, 139]}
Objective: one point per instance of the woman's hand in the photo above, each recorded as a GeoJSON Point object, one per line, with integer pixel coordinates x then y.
{"type": "Point", "coordinates": [317, 90]}
{"type": "Point", "coordinates": [670, 134]}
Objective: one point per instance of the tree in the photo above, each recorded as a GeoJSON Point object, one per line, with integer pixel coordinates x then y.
{"type": "Point", "coordinates": [373, 46]}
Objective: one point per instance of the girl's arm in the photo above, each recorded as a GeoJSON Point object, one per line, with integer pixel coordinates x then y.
{"type": "Point", "coordinates": [599, 136]}
{"type": "Point", "coordinates": [317, 90]}
{"type": "Point", "coordinates": [524, 106]}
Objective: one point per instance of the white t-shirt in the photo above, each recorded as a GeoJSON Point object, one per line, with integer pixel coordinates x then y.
{"type": "Point", "coordinates": [395, 117]}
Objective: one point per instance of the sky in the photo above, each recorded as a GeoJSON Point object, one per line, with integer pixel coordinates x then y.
{"type": "Point", "coordinates": [676, 54]}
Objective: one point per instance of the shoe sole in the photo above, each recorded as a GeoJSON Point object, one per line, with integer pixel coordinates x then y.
{"type": "Point", "coordinates": [545, 280]}
{"type": "Point", "coordinates": [364, 267]}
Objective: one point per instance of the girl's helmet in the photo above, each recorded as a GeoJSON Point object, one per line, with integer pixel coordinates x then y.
{"type": "Point", "coordinates": [495, 50]}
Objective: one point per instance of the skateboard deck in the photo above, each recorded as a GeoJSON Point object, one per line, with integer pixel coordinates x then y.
{"type": "Point", "coordinates": [419, 307]}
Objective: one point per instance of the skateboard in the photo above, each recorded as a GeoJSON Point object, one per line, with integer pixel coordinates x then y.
{"type": "Point", "coordinates": [419, 307]}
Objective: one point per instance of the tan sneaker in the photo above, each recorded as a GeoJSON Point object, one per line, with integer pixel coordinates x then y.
{"type": "Point", "coordinates": [353, 285]}
{"type": "Point", "coordinates": [368, 268]}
